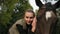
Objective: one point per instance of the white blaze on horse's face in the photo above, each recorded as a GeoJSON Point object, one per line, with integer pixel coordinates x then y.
{"type": "Point", "coordinates": [48, 14]}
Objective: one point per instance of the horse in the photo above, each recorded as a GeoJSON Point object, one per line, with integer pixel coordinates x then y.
{"type": "Point", "coordinates": [46, 17]}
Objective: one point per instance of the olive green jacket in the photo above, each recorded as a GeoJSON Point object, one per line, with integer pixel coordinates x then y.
{"type": "Point", "coordinates": [14, 30]}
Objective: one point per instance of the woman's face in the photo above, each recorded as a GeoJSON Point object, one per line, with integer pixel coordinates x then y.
{"type": "Point", "coordinates": [28, 17]}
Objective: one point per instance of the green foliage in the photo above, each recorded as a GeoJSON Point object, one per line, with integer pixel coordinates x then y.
{"type": "Point", "coordinates": [11, 11]}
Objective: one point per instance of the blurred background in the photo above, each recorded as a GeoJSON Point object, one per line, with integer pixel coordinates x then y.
{"type": "Point", "coordinates": [13, 10]}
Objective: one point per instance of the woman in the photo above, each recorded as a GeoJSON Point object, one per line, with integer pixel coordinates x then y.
{"type": "Point", "coordinates": [27, 25]}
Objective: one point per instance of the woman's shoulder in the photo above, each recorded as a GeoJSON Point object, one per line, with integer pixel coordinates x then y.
{"type": "Point", "coordinates": [20, 21]}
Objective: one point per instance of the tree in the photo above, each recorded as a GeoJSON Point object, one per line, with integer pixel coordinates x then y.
{"type": "Point", "coordinates": [10, 11]}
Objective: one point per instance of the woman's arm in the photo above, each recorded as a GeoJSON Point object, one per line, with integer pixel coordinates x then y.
{"type": "Point", "coordinates": [33, 26]}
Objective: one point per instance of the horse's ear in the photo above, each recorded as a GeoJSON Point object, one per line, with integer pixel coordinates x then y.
{"type": "Point", "coordinates": [57, 5]}
{"type": "Point", "coordinates": [38, 3]}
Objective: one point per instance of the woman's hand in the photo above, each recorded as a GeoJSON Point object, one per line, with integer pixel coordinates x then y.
{"type": "Point", "coordinates": [34, 24]}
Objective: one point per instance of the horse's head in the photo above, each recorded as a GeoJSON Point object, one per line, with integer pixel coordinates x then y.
{"type": "Point", "coordinates": [46, 18]}
{"type": "Point", "coordinates": [47, 8]}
